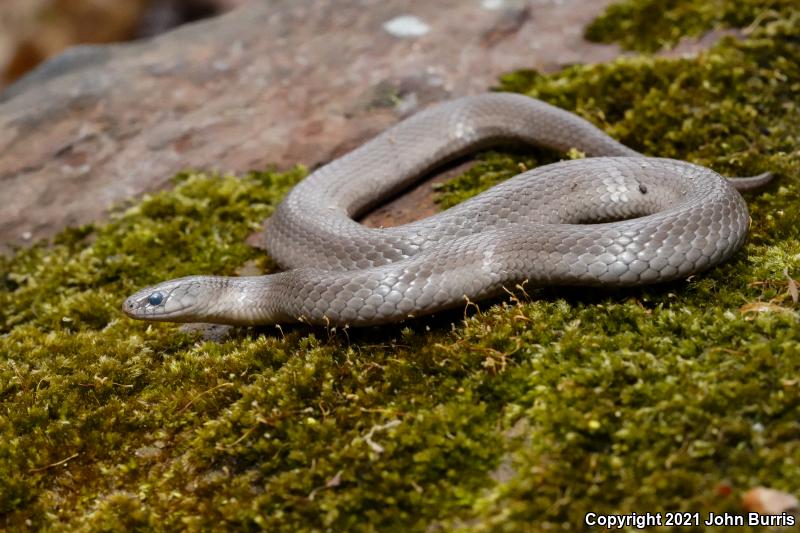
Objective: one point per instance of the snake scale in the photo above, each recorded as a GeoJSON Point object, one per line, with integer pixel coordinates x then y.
{"type": "Point", "coordinates": [614, 219]}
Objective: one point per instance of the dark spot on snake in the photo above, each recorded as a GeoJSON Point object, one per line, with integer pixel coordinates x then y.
{"type": "Point", "coordinates": [155, 299]}
{"type": "Point", "coordinates": [643, 188]}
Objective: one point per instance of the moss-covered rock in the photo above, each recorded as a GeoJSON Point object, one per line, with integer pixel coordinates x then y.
{"type": "Point", "coordinates": [522, 415]}
{"type": "Point", "coordinates": [650, 25]}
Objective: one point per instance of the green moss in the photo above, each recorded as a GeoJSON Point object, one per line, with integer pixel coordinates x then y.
{"type": "Point", "coordinates": [650, 25]}
{"type": "Point", "coordinates": [522, 415]}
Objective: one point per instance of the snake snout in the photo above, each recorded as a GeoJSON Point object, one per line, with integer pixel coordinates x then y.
{"type": "Point", "coordinates": [129, 306]}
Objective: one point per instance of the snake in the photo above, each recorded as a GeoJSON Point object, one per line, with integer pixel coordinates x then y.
{"type": "Point", "coordinates": [614, 218]}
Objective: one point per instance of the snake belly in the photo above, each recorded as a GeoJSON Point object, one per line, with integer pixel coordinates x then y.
{"type": "Point", "coordinates": [614, 219]}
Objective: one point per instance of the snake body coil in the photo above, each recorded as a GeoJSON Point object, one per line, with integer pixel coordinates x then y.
{"type": "Point", "coordinates": [547, 226]}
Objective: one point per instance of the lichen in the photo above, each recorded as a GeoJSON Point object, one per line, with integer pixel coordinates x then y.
{"type": "Point", "coordinates": [519, 414]}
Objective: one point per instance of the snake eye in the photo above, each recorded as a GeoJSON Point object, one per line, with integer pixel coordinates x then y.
{"type": "Point", "coordinates": [155, 299]}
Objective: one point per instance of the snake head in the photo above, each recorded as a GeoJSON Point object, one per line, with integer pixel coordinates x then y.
{"type": "Point", "coordinates": [176, 300]}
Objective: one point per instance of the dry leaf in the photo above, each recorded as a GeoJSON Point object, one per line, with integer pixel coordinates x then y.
{"type": "Point", "coordinates": [760, 307]}
{"type": "Point", "coordinates": [792, 285]}
{"type": "Point", "coordinates": [769, 501]}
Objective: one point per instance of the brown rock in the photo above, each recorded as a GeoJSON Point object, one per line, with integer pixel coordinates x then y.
{"type": "Point", "coordinates": [278, 82]}
{"type": "Point", "coordinates": [32, 30]}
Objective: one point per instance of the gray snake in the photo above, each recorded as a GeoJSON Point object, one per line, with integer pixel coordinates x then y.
{"type": "Point", "coordinates": [614, 219]}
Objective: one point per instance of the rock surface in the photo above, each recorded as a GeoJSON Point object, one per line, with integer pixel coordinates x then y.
{"type": "Point", "coordinates": [277, 82]}
{"type": "Point", "coordinates": [34, 30]}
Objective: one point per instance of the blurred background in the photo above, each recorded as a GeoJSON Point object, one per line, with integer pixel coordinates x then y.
{"type": "Point", "coordinates": [34, 30]}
